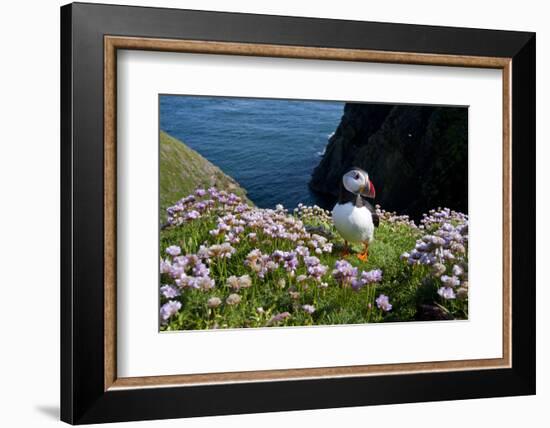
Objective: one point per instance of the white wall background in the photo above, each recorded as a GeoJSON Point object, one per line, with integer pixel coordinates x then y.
{"type": "Point", "coordinates": [29, 211]}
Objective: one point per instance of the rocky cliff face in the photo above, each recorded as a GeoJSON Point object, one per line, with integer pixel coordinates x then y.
{"type": "Point", "coordinates": [416, 156]}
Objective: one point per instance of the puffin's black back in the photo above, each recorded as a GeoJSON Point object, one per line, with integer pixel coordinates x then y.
{"type": "Point", "coordinates": [346, 196]}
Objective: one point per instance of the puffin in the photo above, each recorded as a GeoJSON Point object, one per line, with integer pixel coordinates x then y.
{"type": "Point", "coordinates": [353, 216]}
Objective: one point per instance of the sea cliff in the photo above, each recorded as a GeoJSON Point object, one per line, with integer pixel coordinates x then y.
{"type": "Point", "coordinates": [416, 156]}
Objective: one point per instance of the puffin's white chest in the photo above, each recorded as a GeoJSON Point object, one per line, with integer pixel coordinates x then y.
{"type": "Point", "coordinates": [354, 224]}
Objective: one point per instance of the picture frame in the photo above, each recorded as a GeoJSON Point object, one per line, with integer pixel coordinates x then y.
{"type": "Point", "coordinates": [91, 35]}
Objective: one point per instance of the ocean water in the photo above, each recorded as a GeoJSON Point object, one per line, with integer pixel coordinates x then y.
{"type": "Point", "coordinates": [269, 146]}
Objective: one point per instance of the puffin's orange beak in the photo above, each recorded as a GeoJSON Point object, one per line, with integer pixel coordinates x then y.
{"type": "Point", "coordinates": [369, 191]}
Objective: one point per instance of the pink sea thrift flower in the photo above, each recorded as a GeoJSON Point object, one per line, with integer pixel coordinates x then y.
{"type": "Point", "coordinates": [233, 299]}
{"type": "Point", "coordinates": [278, 318]}
{"type": "Point", "coordinates": [169, 292]}
{"type": "Point", "coordinates": [173, 250]}
{"type": "Point", "coordinates": [169, 309]}
{"type": "Point", "coordinates": [214, 302]}
{"type": "Point", "coordinates": [344, 272]}
{"type": "Point", "coordinates": [447, 293]}
{"type": "Point", "coordinates": [383, 302]}
{"type": "Point", "coordinates": [308, 308]}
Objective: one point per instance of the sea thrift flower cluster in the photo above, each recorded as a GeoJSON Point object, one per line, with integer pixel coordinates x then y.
{"type": "Point", "coordinates": [344, 273]}
{"type": "Point", "coordinates": [169, 292]}
{"type": "Point", "coordinates": [169, 309]}
{"type": "Point", "coordinates": [274, 224]}
{"type": "Point", "coordinates": [289, 261]}
{"type": "Point", "coordinates": [445, 250]}
{"type": "Point", "coordinates": [446, 244]}
{"type": "Point", "coordinates": [308, 309]}
{"type": "Point", "coordinates": [383, 302]}
{"type": "Point", "coordinates": [314, 213]}
{"type": "Point", "coordinates": [225, 263]}
{"type": "Point", "coordinates": [347, 275]}
{"type": "Point", "coordinates": [202, 202]}
{"type": "Point", "coordinates": [233, 299]}
{"type": "Point", "coordinates": [441, 216]}
{"type": "Point", "coordinates": [276, 319]}
{"type": "Point", "coordinates": [224, 250]}
{"type": "Point", "coordinates": [447, 293]}
{"type": "Point", "coordinates": [391, 217]}
{"type": "Point", "coordinates": [189, 271]}
{"type": "Point", "coordinates": [261, 263]}
{"type": "Point", "coordinates": [236, 283]}
{"type": "Point", "coordinates": [319, 244]}
{"type": "Point", "coordinates": [315, 269]}
{"type": "Point", "coordinates": [235, 222]}
{"type": "Point", "coordinates": [173, 250]}
{"type": "Point", "coordinates": [455, 285]}
{"type": "Point", "coordinates": [214, 302]}
{"type": "Point", "coordinates": [366, 278]}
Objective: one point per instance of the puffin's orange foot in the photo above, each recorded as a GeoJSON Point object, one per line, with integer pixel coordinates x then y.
{"type": "Point", "coordinates": [364, 256]}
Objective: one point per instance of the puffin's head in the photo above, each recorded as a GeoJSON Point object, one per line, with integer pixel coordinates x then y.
{"type": "Point", "coordinates": [357, 181]}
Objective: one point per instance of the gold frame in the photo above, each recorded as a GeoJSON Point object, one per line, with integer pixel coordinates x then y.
{"type": "Point", "coordinates": [113, 43]}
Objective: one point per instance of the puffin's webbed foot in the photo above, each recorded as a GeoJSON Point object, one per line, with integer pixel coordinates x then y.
{"type": "Point", "coordinates": [364, 256]}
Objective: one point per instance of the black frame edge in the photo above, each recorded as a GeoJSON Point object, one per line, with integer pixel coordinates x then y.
{"type": "Point", "coordinates": [66, 130]}
{"type": "Point", "coordinates": [305, 31]}
{"type": "Point", "coordinates": [524, 218]}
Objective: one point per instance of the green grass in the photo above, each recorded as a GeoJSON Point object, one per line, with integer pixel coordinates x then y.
{"type": "Point", "coordinates": [405, 285]}
{"type": "Point", "coordinates": [182, 170]}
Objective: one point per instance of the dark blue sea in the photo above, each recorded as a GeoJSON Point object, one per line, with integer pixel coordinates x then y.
{"type": "Point", "coordinates": [269, 146]}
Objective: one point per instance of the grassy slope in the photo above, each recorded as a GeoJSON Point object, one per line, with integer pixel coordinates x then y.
{"type": "Point", "coordinates": [182, 170]}
{"type": "Point", "coordinates": [335, 306]}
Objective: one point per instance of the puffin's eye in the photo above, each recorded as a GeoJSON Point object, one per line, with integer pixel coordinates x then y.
{"type": "Point", "coordinates": [356, 176]}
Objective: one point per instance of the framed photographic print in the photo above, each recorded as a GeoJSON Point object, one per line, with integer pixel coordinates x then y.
{"type": "Point", "coordinates": [266, 213]}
